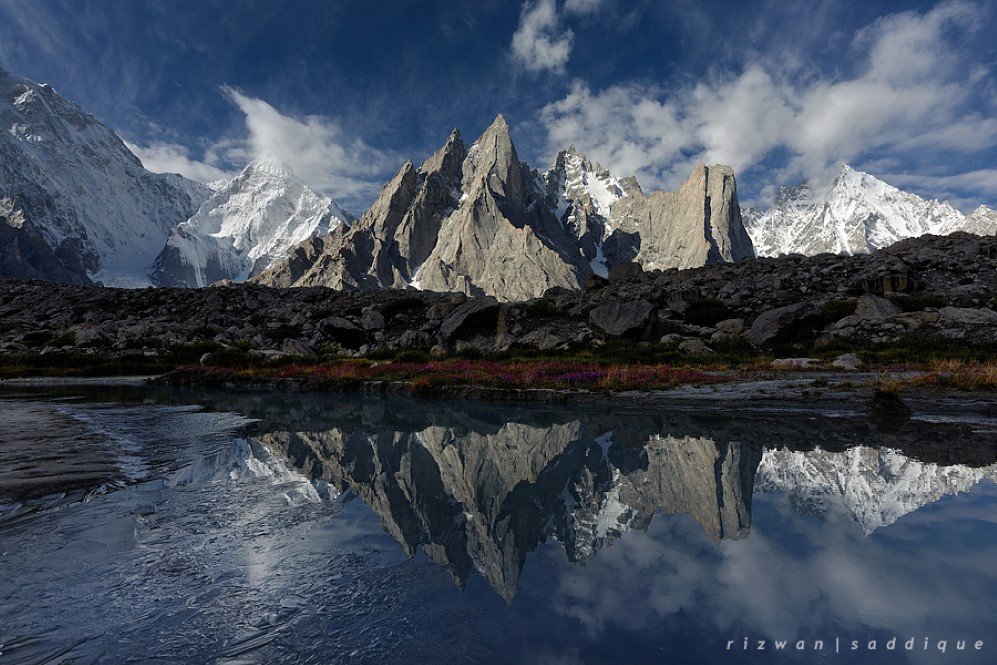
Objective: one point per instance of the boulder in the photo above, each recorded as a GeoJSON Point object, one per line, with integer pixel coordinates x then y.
{"type": "Point", "coordinates": [622, 319]}
{"type": "Point", "coordinates": [593, 282]}
{"type": "Point", "coordinates": [371, 319]}
{"type": "Point", "coordinates": [873, 307]}
{"type": "Point", "coordinates": [624, 271]}
{"type": "Point", "coordinates": [547, 338]}
{"type": "Point", "coordinates": [963, 316]}
{"type": "Point", "coordinates": [476, 316]}
{"type": "Point", "coordinates": [777, 324]}
{"type": "Point", "coordinates": [298, 347]}
{"type": "Point", "coordinates": [794, 363]}
{"type": "Point", "coordinates": [504, 341]}
{"type": "Point", "coordinates": [847, 361]}
{"type": "Point", "coordinates": [694, 347]}
{"type": "Point", "coordinates": [414, 339]}
{"type": "Point", "coordinates": [344, 331]}
{"type": "Point", "coordinates": [730, 327]}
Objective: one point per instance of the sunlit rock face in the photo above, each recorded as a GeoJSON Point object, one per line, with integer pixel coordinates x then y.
{"type": "Point", "coordinates": [477, 220]}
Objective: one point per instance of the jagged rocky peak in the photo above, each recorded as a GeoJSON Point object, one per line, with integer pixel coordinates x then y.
{"type": "Point", "coordinates": [492, 162]}
{"type": "Point", "coordinates": [70, 181]}
{"type": "Point", "coordinates": [502, 239]}
{"type": "Point", "coordinates": [448, 160]}
{"type": "Point", "coordinates": [478, 221]}
{"type": "Point", "coordinates": [247, 224]}
{"type": "Point", "coordinates": [857, 214]}
{"type": "Point", "coordinates": [574, 181]}
{"type": "Point", "coordinates": [386, 246]}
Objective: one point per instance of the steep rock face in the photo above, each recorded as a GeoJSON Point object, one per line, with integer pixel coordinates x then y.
{"type": "Point", "coordinates": [858, 214]}
{"type": "Point", "coordinates": [25, 254]}
{"type": "Point", "coordinates": [502, 239]}
{"type": "Point", "coordinates": [581, 194]}
{"type": "Point", "coordinates": [247, 225]}
{"type": "Point", "coordinates": [69, 177]}
{"type": "Point", "coordinates": [480, 222]}
{"type": "Point", "coordinates": [387, 245]}
{"type": "Point", "coordinates": [698, 225]}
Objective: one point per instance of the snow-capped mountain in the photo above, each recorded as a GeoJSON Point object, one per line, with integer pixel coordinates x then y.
{"type": "Point", "coordinates": [245, 226]}
{"type": "Point", "coordinates": [982, 221]}
{"type": "Point", "coordinates": [78, 205]}
{"type": "Point", "coordinates": [857, 214]}
{"type": "Point", "coordinates": [875, 486]}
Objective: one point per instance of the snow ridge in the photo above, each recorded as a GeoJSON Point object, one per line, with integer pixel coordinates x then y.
{"type": "Point", "coordinates": [245, 226]}
{"type": "Point", "coordinates": [858, 214]}
{"type": "Point", "coordinates": [69, 176]}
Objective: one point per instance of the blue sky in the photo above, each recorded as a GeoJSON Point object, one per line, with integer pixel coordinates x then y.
{"type": "Point", "coordinates": [345, 91]}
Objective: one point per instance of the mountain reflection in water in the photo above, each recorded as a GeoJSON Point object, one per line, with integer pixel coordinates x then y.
{"type": "Point", "coordinates": [301, 528]}
{"type": "Point", "coordinates": [477, 489]}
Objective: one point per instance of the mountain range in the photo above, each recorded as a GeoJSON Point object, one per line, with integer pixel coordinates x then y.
{"type": "Point", "coordinates": [476, 220]}
{"type": "Point", "coordinates": [77, 206]}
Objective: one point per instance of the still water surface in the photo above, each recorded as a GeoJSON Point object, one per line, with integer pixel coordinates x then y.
{"type": "Point", "coordinates": [233, 528]}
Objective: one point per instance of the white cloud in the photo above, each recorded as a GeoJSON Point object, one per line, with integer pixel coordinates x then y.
{"type": "Point", "coordinates": [315, 147]}
{"type": "Point", "coordinates": [583, 6]}
{"type": "Point", "coordinates": [161, 157]}
{"type": "Point", "coordinates": [539, 43]}
{"type": "Point", "coordinates": [910, 91]}
{"type": "Point", "coordinates": [949, 187]}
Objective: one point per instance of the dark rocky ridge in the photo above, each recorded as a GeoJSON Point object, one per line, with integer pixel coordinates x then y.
{"type": "Point", "coordinates": [930, 287]}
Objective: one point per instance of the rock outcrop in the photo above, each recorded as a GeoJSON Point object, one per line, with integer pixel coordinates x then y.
{"type": "Point", "coordinates": [478, 221]}
{"type": "Point", "coordinates": [698, 225]}
{"type": "Point", "coordinates": [386, 246]}
{"type": "Point", "coordinates": [25, 254]}
{"type": "Point", "coordinates": [501, 240]}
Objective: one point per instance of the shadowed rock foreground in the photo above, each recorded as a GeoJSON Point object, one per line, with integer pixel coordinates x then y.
{"type": "Point", "coordinates": [930, 288]}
